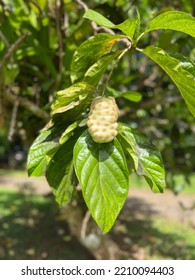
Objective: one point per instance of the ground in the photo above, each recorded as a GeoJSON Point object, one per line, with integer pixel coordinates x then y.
{"type": "Point", "coordinates": [141, 201]}
{"type": "Point", "coordinates": [150, 226]}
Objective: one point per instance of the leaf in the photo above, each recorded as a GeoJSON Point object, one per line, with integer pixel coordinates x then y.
{"type": "Point", "coordinates": [147, 159]}
{"type": "Point", "coordinates": [95, 72]}
{"type": "Point", "coordinates": [103, 175]}
{"type": "Point", "coordinates": [130, 95]}
{"type": "Point", "coordinates": [98, 18]}
{"type": "Point", "coordinates": [60, 173]}
{"type": "Point", "coordinates": [90, 52]}
{"type": "Point", "coordinates": [137, 27]}
{"type": "Point", "coordinates": [42, 3]}
{"type": "Point", "coordinates": [71, 94]}
{"type": "Point", "coordinates": [69, 132]}
{"type": "Point", "coordinates": [133, 96]}
{"type": "Point", "coordinates": [186, 62]}
{"type": "Point", "coordinates": [66, 190]}
{"type": "Point", "coordinates": [72, 101]}
{"type": "Point", "coordinates": [42, 150]}
{"type": "Point", "coordinates": [181, 75]}
{"type": "Point", "coordinates": [129, 27]}
{"type": "Point", "coordinates": [178, 21]}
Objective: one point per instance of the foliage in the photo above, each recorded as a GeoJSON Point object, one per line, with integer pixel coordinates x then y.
{"type": "Point", "coordinates": [104, 64]}
{"type": "Point", "coordinates": [102, 169]}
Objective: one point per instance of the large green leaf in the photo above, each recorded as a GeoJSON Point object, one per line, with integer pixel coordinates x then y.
{"type": "Point", "coordinates": [68, 97]}
{"type": "Point", "coordinates": [95, 72]}
{"type": "Point", "coordinates": [174, 20]}
{"type": "Point", "coordinates": [178, 72]}
{"type": "Point", "coordinates": [42, 150]}
{"type": "Point", "coordinates": [60, 173]}
{"type": "Point", "coordinates": [103, 175]}
{"type": "Point", "coordinates": [147, 159]}
{"type": "Point", "coordinates": [90, 52]}
{"type": "Point", "coordinates": [72, 101]}
{"type": "Point", "coordinates": [130, 27]}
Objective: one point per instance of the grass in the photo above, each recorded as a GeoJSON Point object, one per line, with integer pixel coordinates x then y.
{"type": "Point", "coordinates": [181, 185]}
{"type": "Point", "coordinates": [135, 180]}
{"type": "Point", "coordinates": [15, 173]}
{"type": "Point", "coordinates": [155, 238]}
{"type": "Point", "coordinates": [162, 239]}
{"type": "Point", "coordinates": [180, 246]}
{"type": "Point", "coordinates": [33, 227]}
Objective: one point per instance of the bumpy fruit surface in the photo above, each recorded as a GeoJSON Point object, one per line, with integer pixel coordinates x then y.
{"type": "Point", "coordinates": [102, 120]}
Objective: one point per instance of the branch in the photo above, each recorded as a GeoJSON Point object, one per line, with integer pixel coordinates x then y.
{"type": "Point", "coordinates": [4, 39]}
{"type": "Point", "coordinates": [36, 5]}
{"type": "Point", "coordinates": [27, 105]}
{"type": "Point", "coordinates": [13, 121]}
{"type": "Point", "coordinates": [84, 225]}
{"type": "Point", "coordinates": [60, 46]}
{"type": "Point", "coordinates": [4, 6]}
{"type": "Point", "coordinates": [12, 49]}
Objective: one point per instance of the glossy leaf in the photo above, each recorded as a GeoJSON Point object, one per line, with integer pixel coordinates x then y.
{"type": "Point", "coordinates": [69, 132]}
{"type": "Point", "coordinates": [70, 97]}
{"type": "Point", "coordinates": [41, 152]}
{"type": "Point", "coordinates": [130, 95]}
{"type": "Point", "coordinates": [103, 175]}
{"type": "Point", "coordinates": [186, 62]}
{"type": "Point", "coordinates": [175, 20]}
{"type": "Point", "coordinates": [147, 159]}
{"type": "Point", "coordinates": [70, 103]}
{"type": "Point", "coordinates": [181, 75]}
{"type": "Point", "coordinates": [60, 173]}
{"type": "Point", "coordinates": [133, 96]}
{"type": "Point", "coordinates": [130, 27]}
{"type": "Point", "coordinates": [98, 18]}
{"type": "Point", "coordinates": [90, 52]}
{"type": "Point", "coordinates": [95, 72]}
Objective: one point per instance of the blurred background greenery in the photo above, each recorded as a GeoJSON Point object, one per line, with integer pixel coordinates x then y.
{"type": "Point", "coordinates": [37, 42]}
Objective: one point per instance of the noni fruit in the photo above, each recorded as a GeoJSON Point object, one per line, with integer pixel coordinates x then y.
{"type": "Point", "coordinates": [102, 120]}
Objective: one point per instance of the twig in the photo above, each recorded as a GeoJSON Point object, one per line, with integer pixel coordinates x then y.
{"type": "Point", "coordinates": [4, 6]}
{"type": "Point", "coordinates": [13, 121]}
{"type": "Point", "coordinates": [115, 63]}
{"type": "Point", "coordinates": [66, 23]}
{"type": "Point", "coordinates": [36, 5]}
{"type": "Point", "coordinates": [82, 4]}
{"type": "Point", "coordinates": [4, 39]}
{"type": "Point", "coordinates": [132, 4]}
{"type": "Point", "coordinates": [28, 105]}
{"type": "Point", "coordinates": [60, 47]}
{"type": "Point", "coordinates": [93, 24]}
{"type": "Point", "coordinates": [1, 103]}
{"type": "Point", "coordinates": [12, 49]}
{"type": "Point", "coordinates": [84, 225]}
